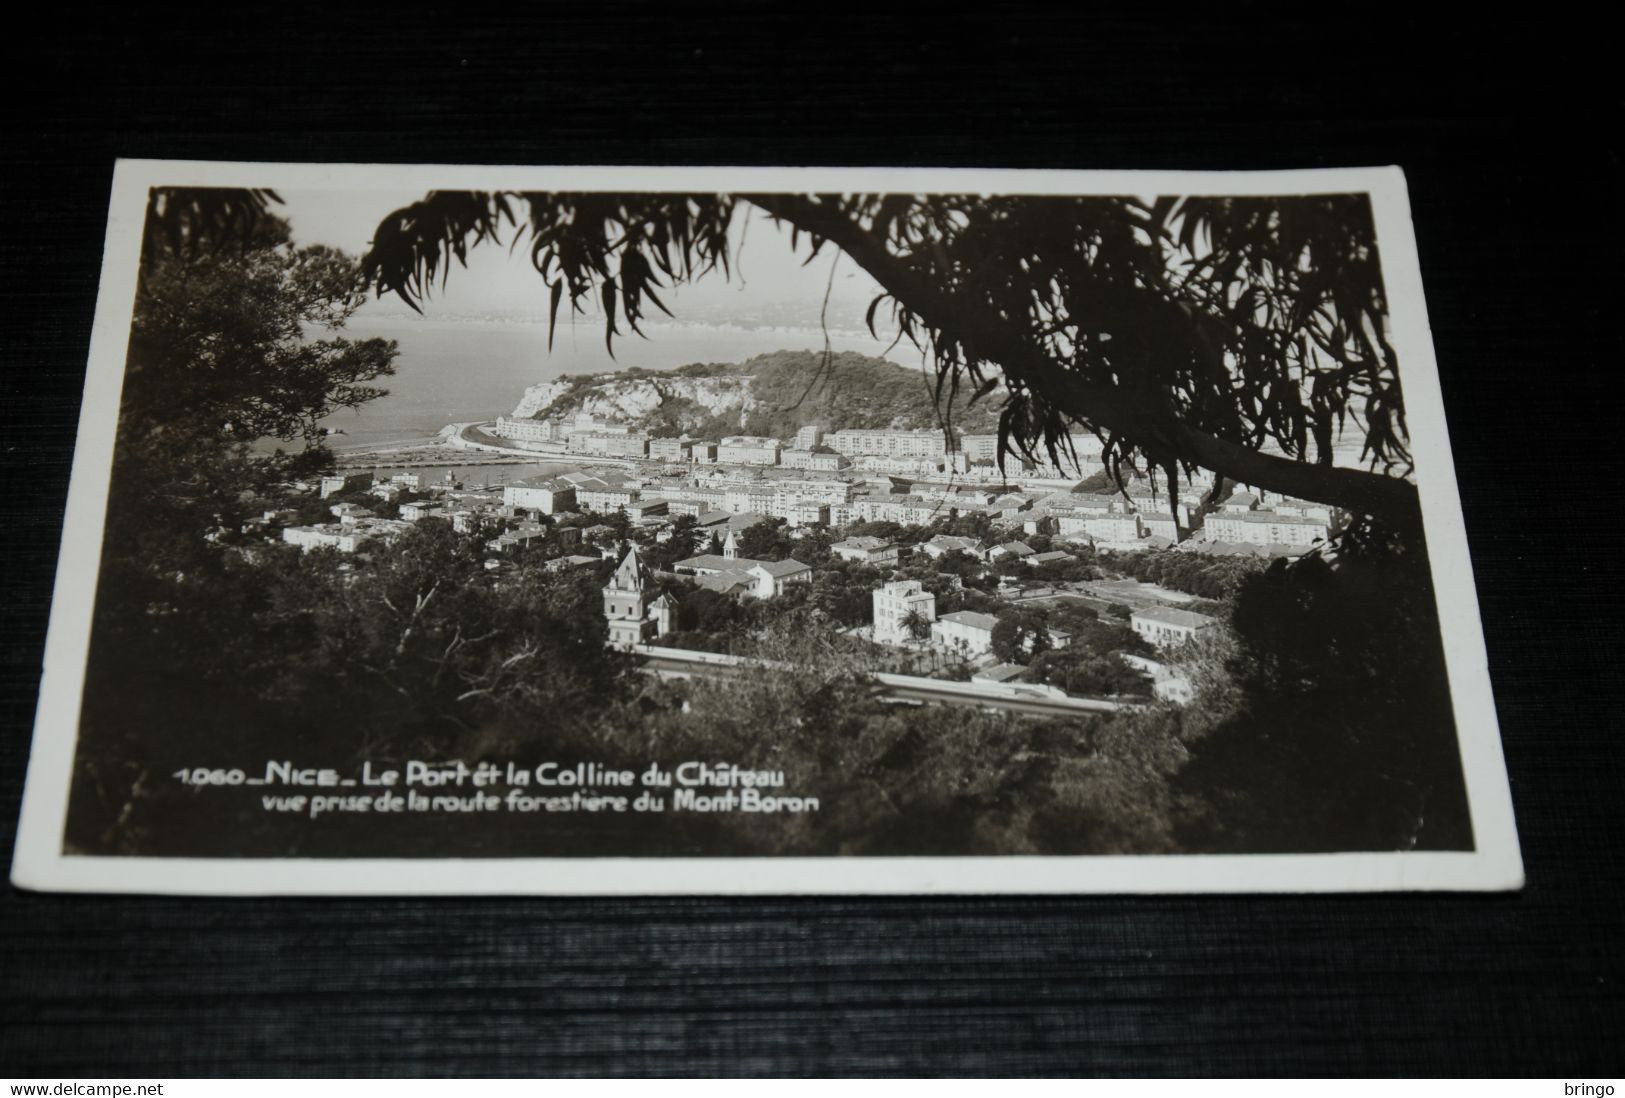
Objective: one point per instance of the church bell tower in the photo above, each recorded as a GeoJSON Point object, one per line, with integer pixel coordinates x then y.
{"type": "Point", "coordinates": [632, 619]}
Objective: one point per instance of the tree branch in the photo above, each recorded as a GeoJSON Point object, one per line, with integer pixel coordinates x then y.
{"type": "Point", "coordinates": [987, 337]}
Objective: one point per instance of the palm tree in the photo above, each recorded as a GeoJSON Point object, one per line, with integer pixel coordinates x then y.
{"type": "Point", "coordinates": [917, 625]}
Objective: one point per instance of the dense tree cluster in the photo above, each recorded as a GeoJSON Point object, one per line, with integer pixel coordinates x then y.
{"type": "Point", "coordinates": [234, 339]}
{"type": "Point", "coordinates": [1208, 577]}
{"type": "Point", "coordinates": [1344, 737]}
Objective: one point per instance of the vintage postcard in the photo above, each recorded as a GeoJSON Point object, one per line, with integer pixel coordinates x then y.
{"type": "Point", "coordinates": [446, 529]}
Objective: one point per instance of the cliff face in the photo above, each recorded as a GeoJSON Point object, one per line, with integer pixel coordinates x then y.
{"type": "Point", "coordinates": [637, 399]}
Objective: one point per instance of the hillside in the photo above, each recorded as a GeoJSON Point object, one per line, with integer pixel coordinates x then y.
{"type": "Point", "coordinates": [770, 394]}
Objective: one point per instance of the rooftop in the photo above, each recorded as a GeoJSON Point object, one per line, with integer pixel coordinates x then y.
{"type": "Point", "coordinates": [1268, 516]}
{"type": "Point", "coordinates": [972, 619]}
{"type": "Point", "coordinates": [1168, 615]}
{"type": "Point", "coordinates": [556, 484]}
{"type": "Point", "coordinates": [777, 568]}
{"type": "Point", "coordinates": [724, 582]}
{"type": "Point", "coordinates": [715, 563]}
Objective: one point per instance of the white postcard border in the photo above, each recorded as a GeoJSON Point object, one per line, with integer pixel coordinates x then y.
{"type": "Point", "coordinates": [39, 863]}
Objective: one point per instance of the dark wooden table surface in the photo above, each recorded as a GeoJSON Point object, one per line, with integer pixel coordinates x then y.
{"type": "Point", "coordinates": [1507, 130]}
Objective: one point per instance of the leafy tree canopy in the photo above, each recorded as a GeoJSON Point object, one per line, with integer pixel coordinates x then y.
{"type": "Point", "coordinates": [1019, 635]}
{"type": "Point", "coordinates": [220, 338]}
{"type": "Point", "coordinates": [232, 340]}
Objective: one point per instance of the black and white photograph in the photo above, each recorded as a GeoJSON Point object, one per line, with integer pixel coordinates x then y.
{"type": "Point", "coordinates": [584, 530]}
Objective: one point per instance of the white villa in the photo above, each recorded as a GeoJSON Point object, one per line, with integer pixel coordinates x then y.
{"type": "Point", "coordinates": [966, 632]}
{"type": "Point", "coordinates": [894, 603]}
{"type": "Point", "coordinates": [1167, 627]}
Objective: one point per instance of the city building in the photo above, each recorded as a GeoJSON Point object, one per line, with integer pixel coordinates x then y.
{"type": "Point", "coordinates": [1285, 505]}
{"type": "Point", "coordinates": [526, 430]}
{"type": "Point", "coordinates": [587, 423]}
{"type": "Point", "coordinates": [549, 495]}
{"type": "Point", "coordinates": [605, 497]}
{"type": "Point", "coordinates": [906, 510]}
{"type": "Point", "coordinates": [1112, 528]}
{"type": "Point", "coordinates": [797, 458]}
{"type": "Point", "coordinates": [344, 482]}
{"type": "Point", "coordinates": [814, 490]}
{"type": "Point", "coordinates": [677, 505]}
{"type": "Point", "coordinates": [349, 512]}
{"type": "Point", "coordinates": [771, 577]}
{"type": "Point", "coordinates": [1159, 524]}
{"type": "Point", "coordinates": [802, 514]}
{"type": "Point", "coordinates": [1017, 550]}
{"type": "Point", "coordinates": [866, 550]}
{"type": "Point", "coordinates": [346, 537]}
{"type": "Point", "coordinates": [980, 449]}
{"type": "Point", "coordinates": [420, 509]}
{"type": "Point", "coordinates": [608, 444]}
{"type": "Point", "coordinates": [924, 442]}
{"type": "Point", "coordinates": [748, 450]}
{"type": "Point", "coordinates": [965, 633]}
{"type": "Point", "coordinates": [895, 605]}
{"type": "Point", "coordinates": [671, 449]}
{"type": "Point", "coordinates": [1263, 528]}
{"type": "Point", "coordinates": [943, 544]}
{"type": "Point", "coordinates": [733, 574]}
{"type": "Point", "coordinates": [897, 465]}
{"type": "Point", "coordinates": [749, 499]}
{"type": "Point", "coordinates": [521, 538]}
{"type": "Point", "coordinates": [1168, 627]}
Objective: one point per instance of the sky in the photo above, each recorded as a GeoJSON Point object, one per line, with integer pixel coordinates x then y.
{"type": "Point", "coordinates": [767, 272]}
